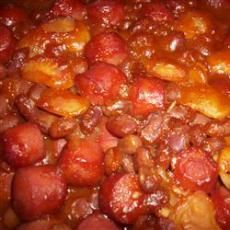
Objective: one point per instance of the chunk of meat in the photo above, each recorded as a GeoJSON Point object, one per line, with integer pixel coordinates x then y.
{"type": "Point", "coordinates": [147, 95]}
{"type": "Point", "coordinates": [122, 199]}
{"type": "Point", "coordinates": [106, 47]}
{"type": "Point", "coordinates": [82, 162]}
{"type": "Point", "coordinates": [37, 191]}
{"type": "Point", "coordinates": [23, 145]}
{"type": "Point", "coordinates": [195, 170]}
{"type": "Point", "coordinates": [101, 84]}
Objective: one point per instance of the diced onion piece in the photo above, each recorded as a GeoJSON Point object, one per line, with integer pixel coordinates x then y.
{"type": "Point", "coordinates": [224, 166]}
{"type": "Point", "coordinates": [63, 103]}
{"type": "Point", "coordinates": [46, 71]}
{"type": "Point", "coordinates": [206, 100]}
{"type": "Point", "coordinates": [59, 25]}
{"type": "Point", "coordinates": [195, 212]}
{"type": "Point", "coordinates": [219, 62]}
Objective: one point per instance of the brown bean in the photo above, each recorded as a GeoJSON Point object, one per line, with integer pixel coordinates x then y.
{"type": "Point", "coordinates": [121, 125]}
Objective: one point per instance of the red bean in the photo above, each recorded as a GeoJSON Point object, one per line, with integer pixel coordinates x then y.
{"type": "Point", "coordinates": [73, 8]}
{"type": "Point", "coordinates": [143, 158]}
{"type": "Point", "coordinates": [105, 138]}
{"type": "Point", "coordinates": [28, 109]}
{"type": "Point", "coordinates": [106, 47]}
{"type": "Point", "coordinates": [151, 222]}
{"type": "Point", "coordinates": [147, 95]}
{"type": "Point", "coordinates": [37, 191]}
{"type": "Point", "coordinates": [106, 12]}
{"type": "Point", "coordinates": [157, 12]}
{"type": "Point", "coordinates": [7, 44]}
{"type": "Point", "coordinates": [36, 91]}
{"type": "Point", "coordinates": [13, 87]}
{"type": "Point", "coordinates": [113, 160]}
{"type": "Point", "coordinates": [101, 83]}
{"type": "Point", "coordinates": [11, 15]}
{"type": "Point", "coordinates": [195, 170]}
{"type": "Point", "coordinates": [81, 162]}
{"type": "Point", "coordinates": [98, 221]}
{"type": "Point", "coordinates": [121, 125]}
{"type": "Point", "coordinates": [23, 145]}
{"type": "Point", "coordinates": [18, 59]}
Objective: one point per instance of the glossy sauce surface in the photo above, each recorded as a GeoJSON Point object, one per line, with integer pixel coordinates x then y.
{"type": "Point", "coordinates": [114, 114]}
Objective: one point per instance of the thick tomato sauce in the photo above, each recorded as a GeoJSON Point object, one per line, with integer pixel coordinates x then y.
{"type": "Point", "coordinates": [114, 114]}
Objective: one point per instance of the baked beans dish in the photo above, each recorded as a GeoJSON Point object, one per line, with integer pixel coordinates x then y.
{"type": "Point", "coordinates": [115, 115]}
